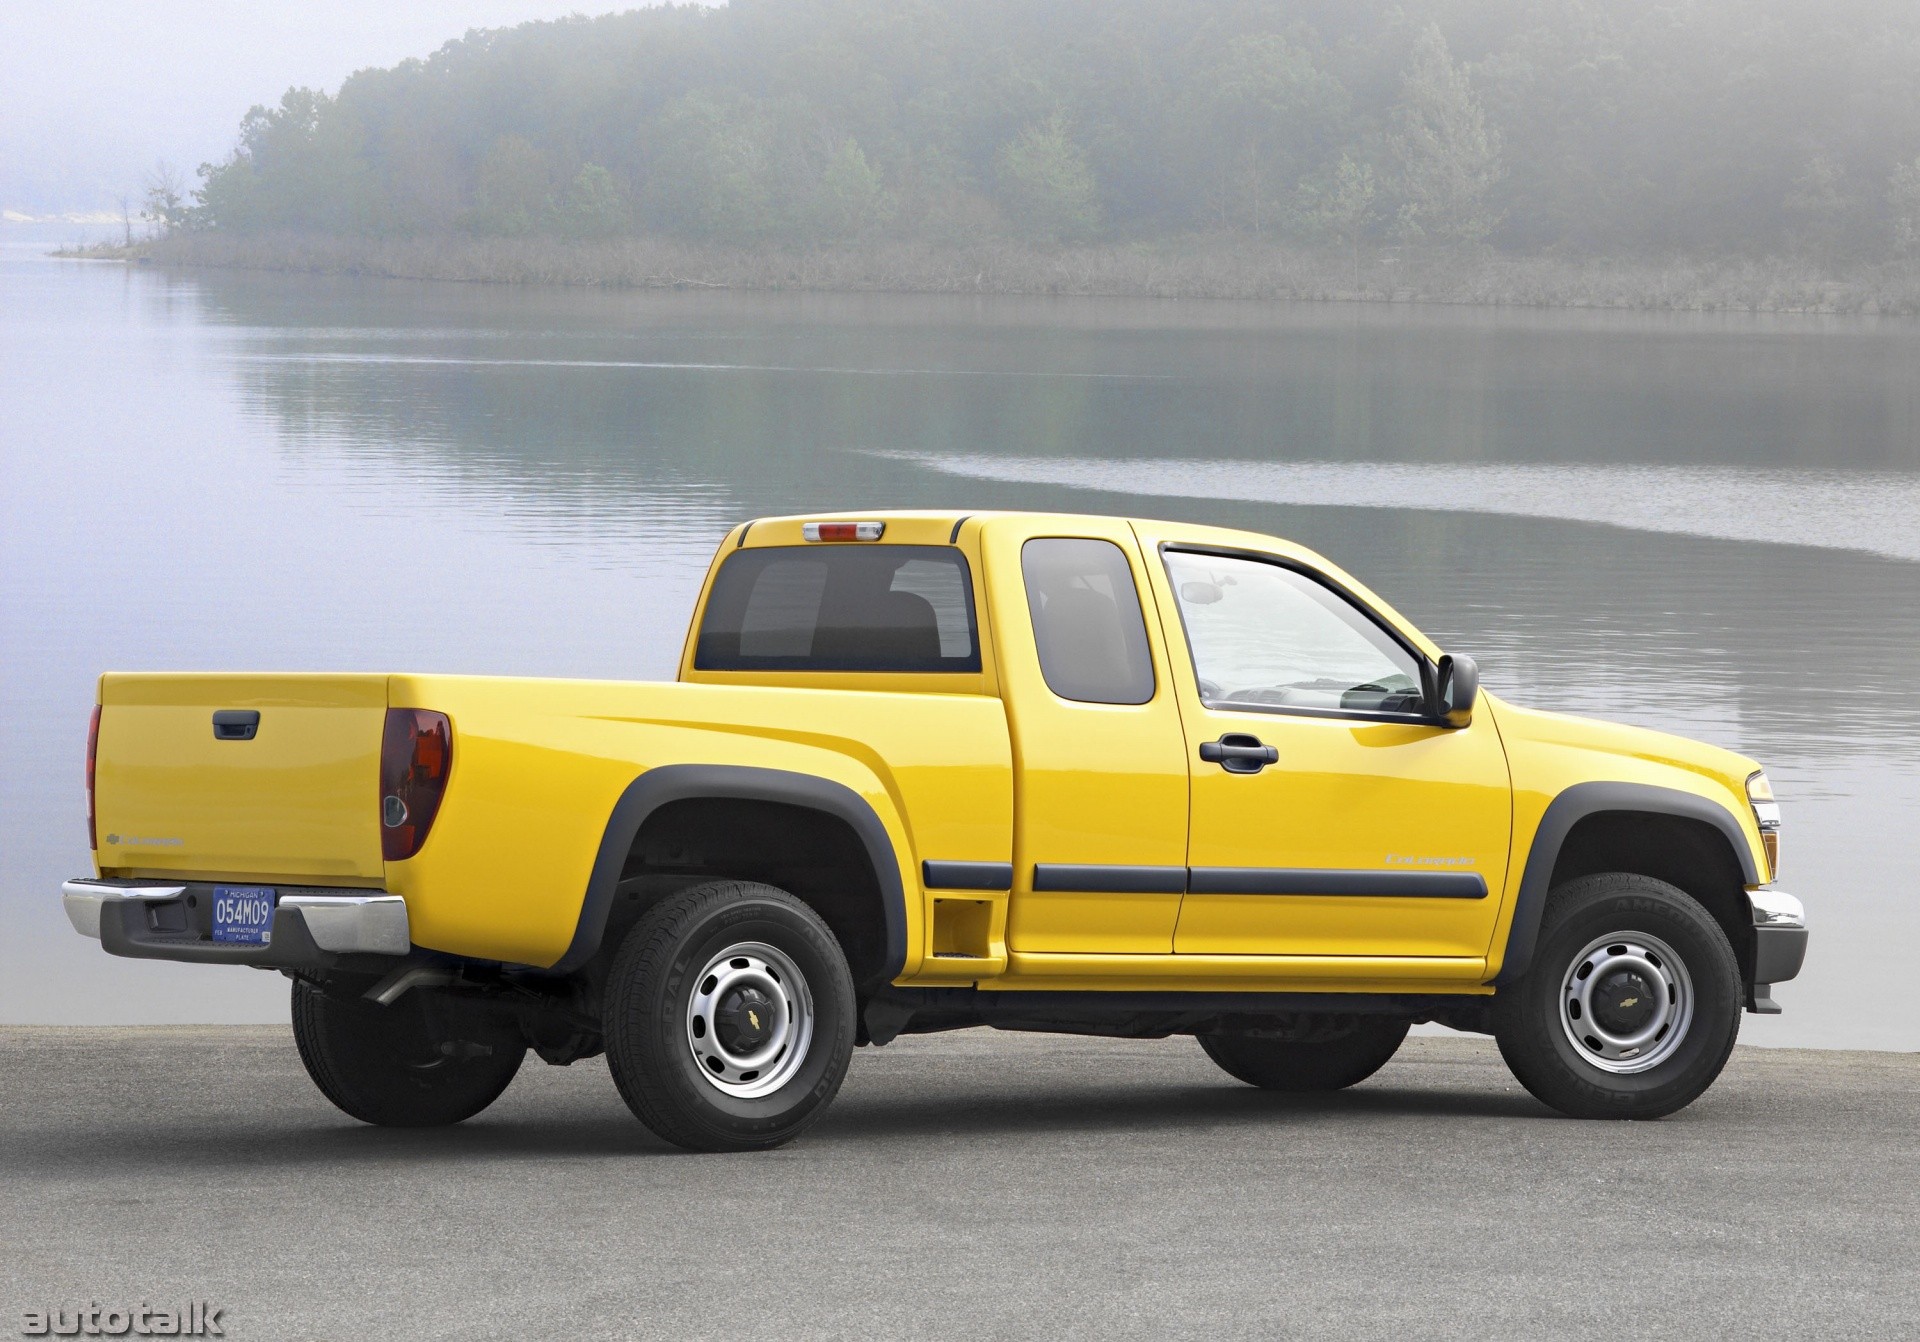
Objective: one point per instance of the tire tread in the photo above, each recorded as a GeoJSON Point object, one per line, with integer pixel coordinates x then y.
{"type": "Point", "coordinates": [645, 955]}
{"type": "Point", "coordinates": [1526, 1021]}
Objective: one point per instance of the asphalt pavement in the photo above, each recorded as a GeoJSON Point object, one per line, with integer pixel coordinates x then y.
{"type": "Point", "coordinates": [978, 1186]}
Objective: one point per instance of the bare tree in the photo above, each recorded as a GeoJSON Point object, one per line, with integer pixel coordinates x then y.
{"type": "Point", "coordinates": [126, 219]}
{"type": "Point", "coordinates": [166, 207]}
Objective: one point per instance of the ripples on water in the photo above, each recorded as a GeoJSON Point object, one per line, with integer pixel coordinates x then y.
{"type": "Point", "coordinates": [1877, 512]}
{"type": "Point", "coordinates": [1699, 524]}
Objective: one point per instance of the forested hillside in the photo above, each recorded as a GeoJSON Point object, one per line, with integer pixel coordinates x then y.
{"type": "Point", "coordinates": [1620, 127]}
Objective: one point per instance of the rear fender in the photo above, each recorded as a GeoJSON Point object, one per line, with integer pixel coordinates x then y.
{"type": "Point", "coordinates": [697, 782]}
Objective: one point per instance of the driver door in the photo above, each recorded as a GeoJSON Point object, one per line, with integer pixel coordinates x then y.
{"type": "Point", "coordinates": [1331, 816]}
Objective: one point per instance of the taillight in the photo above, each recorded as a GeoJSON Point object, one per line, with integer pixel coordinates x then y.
{"type": "Point", "coordinates": [93, 750]}
{"type": "Point", "coordinates": [416, 755]}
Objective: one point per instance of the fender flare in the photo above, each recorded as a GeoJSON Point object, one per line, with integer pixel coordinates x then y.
{"type": "Point", "coordinates": [669, 783]}
{"type": "Point", "coordinates": [1569, 809]}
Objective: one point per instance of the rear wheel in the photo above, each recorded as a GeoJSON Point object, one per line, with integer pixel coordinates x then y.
{"type": "Point", "coordinates": [420, 1062]}
{"type": "Point", "coordinates": [1632, 1004]}
{"type": "Point", "coordinates": [729, 1017]}
{"type": "Point", "coordinates": [1343, 1056]}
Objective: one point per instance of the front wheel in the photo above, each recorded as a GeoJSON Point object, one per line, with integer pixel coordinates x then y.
{"type": "Point", "coordinates": [418, 1063]}
{"type": "Point", "coordinates": [729, 1017]}
{"type": "Point", "coordinates": [1343, 1056]}
{"type": "Point", "coordinates": [1632, 1004]}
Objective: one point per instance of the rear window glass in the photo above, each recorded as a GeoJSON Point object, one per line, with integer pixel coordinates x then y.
{"type": "Point", "coordinates": [897, 608]}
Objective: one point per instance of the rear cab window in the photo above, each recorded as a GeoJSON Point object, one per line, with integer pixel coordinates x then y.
{"type": "Point", "coordinates": [883, 608]}
{"type": "Point", "coordinates": [1088, 628]}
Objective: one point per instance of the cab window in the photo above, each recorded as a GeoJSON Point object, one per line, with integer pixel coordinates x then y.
{"type": "Point", "coordinates": [889, 608]}
{"type": "Point", "coordinates": [1265, 636]}
{"type": "Point", "coordinates": [1087, 623]}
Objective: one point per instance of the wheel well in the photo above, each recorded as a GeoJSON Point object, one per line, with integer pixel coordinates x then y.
{"type": "Point", "coordinates": [812, 855]}
{"type": "Point", "coordinates": [1690, 854]}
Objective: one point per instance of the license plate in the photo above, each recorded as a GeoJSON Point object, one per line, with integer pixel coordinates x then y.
{"type": "Point", "coordinates": [243, 914]}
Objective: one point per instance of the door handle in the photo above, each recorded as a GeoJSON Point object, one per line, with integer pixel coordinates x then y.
{"type": "Point", "coordinates": [1238, 753]}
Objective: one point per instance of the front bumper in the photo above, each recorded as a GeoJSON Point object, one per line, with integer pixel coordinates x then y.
{"type": "Point", "coordinates": [314, 927]}
{"type": "Point", "coordinates": [1779, 945]}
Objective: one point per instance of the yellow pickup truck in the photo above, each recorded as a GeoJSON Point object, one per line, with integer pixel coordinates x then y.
{"type": "Point", "coordinates": [922, 772]}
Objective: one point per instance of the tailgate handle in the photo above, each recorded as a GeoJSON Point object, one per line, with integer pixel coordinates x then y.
{"type": "Point", "coordinates": [235, 724]}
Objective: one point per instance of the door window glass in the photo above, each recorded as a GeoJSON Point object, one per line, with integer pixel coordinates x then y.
{"type": "Point", "coordinates": [1087, 621]}
{"type": "Point", "coordinates": [1267, 636]}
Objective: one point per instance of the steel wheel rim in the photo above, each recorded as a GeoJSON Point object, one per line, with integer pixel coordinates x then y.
{"type": "Point", "coordinates": [749, 1020]}
{"type": "Point", "coordinates": [1605, 982]}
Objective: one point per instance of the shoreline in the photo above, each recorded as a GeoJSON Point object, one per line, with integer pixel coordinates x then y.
{"type": "Point", "coordinates": [1189, 268]}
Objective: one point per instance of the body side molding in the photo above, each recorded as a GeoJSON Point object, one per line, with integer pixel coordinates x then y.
{"type": "Point", "coordinates": [1137, 880]}
{"type": "Point", "coordinates": [729, 782]}
{"type": "Point", "coordinates": [936, 875]}
{"type": "Point", "coordinates": [1315, 881]}
{"type": "Point", "coordinates": [1079, 878]}
{"type": "Point", "coordinates": [1568, 809]}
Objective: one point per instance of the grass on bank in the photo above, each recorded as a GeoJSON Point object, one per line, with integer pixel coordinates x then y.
{"type": "Point", "coordinates": [1199, 267]}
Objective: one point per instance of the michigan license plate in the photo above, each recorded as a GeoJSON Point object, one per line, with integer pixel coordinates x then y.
{"type": "Point", "coordinates": [243, 914]}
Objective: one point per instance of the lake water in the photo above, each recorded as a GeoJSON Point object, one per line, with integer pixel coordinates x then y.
{"type": "Point", "coordinates": [1706, 524]}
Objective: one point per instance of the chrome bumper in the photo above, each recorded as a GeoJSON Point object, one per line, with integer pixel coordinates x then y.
{"type": "Point", "coordinates": [1779, 945]}
{"type": "Point", "coordinates": [83, 899]}
{"type": "Point", "coordinates": [168, 920]}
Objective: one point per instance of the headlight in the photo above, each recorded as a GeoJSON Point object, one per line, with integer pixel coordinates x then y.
{"type": "Point", "coordinates": [1766, 812]}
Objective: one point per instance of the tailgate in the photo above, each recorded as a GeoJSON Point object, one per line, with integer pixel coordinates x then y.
{"type": "Point", "coordinates": [297, 796]}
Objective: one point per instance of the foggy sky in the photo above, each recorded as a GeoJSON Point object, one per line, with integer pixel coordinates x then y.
{"type": "Point", "coordinates": [92, 92]}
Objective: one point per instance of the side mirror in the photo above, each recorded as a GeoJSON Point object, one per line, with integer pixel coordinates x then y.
{"type": "Point", "coordinates": [1456, 685]}
{"type": "Point", "coordinates": [1198, 593]}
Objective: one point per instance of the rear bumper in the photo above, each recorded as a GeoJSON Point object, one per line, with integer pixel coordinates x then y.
{"type": "Point", "coordinates": [1779, 945]}
{"type": "Point", "coordinates": [313, 927]}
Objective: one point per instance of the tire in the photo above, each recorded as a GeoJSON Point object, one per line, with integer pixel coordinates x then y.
{"type": "Point", "coordinates": [1307, 1065]}
{"type": "Point", "coordinates": [1632, 1004]}
{"type": "Point", "coordinates": [729, 1017]}
{"type": "Point", "coordinates": [417, 1063]}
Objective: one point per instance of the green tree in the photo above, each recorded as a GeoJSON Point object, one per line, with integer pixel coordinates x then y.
{"type": "Point", "coordinates": [511, 190]}
{"type": "Point", "coordinates": [423, 186]}
{"type": "Point", "coordinates": [1047, 185]}
{"type": "Point", "coordinates": [1624, 126]}
{"type": "Point", "coordinates": [1903, 198]}
{"type": "Point", "coordinates": [1267, 112]}
{"type": "Point", "coordinates": [852, 202]}
{"type": "Point", "coordinates": [594, 205]}
{"type": "Point", "coordinates": [1337, 206]}
{"type": "Point", "coordinates": [1447, 160]}
{"type": "Point", "coordinates": [298, 165]}
{"type": "Point", "coordinates": [711, 170]}
{"type": "Point", "coordinates": [1818, 205]}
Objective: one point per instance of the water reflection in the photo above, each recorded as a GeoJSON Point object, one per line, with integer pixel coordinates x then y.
{"type": "Point", "coordinates": [233, 470]}
{"type": "Point", "coordinates": [1871, 511]}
